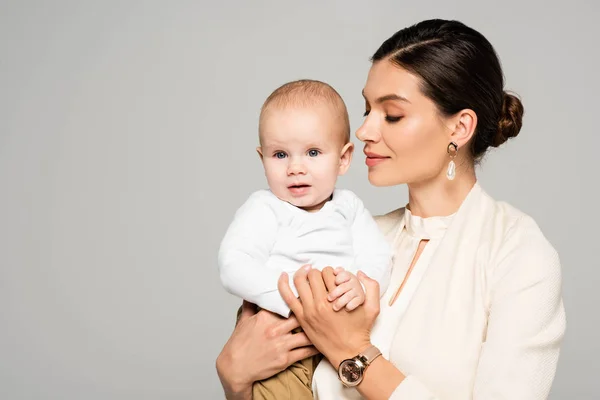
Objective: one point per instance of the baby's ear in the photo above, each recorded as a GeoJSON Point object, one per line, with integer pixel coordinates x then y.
{"type": "Point", "coordinates": [346, 157]}
{"type": "Point", "coordinates": [259, 151]}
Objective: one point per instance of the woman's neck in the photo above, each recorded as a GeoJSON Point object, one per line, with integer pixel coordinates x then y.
{"type": "Point", "coordinates": [440, 197]}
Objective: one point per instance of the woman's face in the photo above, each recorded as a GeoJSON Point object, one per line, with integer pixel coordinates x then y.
{"type": "Point", "coordinates": [406, 138]}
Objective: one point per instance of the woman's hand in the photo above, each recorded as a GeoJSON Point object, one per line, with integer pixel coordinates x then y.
{"type": "Point", "coordinates": [337, 334]}
{"type": "Point", "coordinates": [261, 345]}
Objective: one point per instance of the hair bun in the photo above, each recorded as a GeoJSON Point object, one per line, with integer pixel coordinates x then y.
{"type": "Point", "coordinates": [511, 119]}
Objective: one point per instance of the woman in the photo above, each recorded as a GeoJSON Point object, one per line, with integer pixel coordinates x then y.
{"type": "Point", "coordinates": [474, 307]}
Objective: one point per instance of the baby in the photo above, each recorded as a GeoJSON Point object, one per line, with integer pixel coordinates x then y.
{"type": "Point", "coordinates": [302, 218]}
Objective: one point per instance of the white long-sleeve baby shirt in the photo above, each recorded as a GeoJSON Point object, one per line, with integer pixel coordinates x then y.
{"type": "Point", "coordinates": [269, 236]}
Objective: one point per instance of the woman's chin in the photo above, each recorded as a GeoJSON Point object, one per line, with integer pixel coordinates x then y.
{"type": "Point", "coordinates": [381, 180]}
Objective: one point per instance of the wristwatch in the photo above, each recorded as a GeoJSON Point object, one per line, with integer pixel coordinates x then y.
{"type": "Point", "coordinates": [352, 370]}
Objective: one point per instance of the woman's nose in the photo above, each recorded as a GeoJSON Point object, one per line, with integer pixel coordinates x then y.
{"type": "Point", "coordinates": [367, 132]}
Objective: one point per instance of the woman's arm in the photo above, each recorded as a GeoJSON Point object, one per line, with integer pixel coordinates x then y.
{"type": "Point", "coordinates": [526, 321]}
{"type": "Point", "coordinates": [341, 335]}
{"type": "Point", "coordinates": [261, 345]}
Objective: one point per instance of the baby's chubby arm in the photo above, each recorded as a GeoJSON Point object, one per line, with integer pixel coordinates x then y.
{"type": "Point", "coordinates": [244, 252]}
{"type": "Point", "coordinates": [372, 255]}
{"type": "Point", "coordinates": [372, 252]}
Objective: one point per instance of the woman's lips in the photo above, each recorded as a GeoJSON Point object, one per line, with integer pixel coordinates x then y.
{"type": "Point", "coordinates": [374, 159]}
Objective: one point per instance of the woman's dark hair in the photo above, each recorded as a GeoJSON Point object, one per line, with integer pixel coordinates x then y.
{"type": "Point", "coordinates": [459, 69]}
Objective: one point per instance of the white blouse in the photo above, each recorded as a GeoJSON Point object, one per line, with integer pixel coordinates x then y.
{"type": "Point", "coordinates": [481, 315]}
{"type": "Point", "coordinates": [326, 384]}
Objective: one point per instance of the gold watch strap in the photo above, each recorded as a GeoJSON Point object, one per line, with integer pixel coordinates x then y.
{"type": "Point", "coordinates": [370, 354]}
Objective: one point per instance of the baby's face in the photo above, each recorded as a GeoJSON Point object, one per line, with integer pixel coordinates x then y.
{"type": "Point", "coordinates": [303, 152]}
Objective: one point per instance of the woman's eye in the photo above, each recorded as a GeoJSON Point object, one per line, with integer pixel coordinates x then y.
{"type": "Point", "coordinates": [313, 153]}
{"type": "Point", "coordinates": [366, 113]}
{"type": "Point", "coordinates": [392, 119]}
{"type": "Point", "coordinates": [280, 154]}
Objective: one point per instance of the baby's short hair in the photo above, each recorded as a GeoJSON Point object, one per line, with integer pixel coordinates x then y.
{"type": "Point", "coordinates": [307, 93]}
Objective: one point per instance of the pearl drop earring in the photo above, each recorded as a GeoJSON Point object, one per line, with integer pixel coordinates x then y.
{"type": "Point", "coordinates": [451, 171]}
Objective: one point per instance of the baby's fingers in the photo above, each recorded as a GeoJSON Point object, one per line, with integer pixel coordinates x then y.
{"type": "Point", "coordinates": [342, 277]}
{"type": "Point", "coordinates": [355, 302]}
{"type": "Point", "coordinates": [339, 291]}
{"type": "Point", "coordinates": [337, 270]}
{"type": "Point", "coordinates": [344, 300]}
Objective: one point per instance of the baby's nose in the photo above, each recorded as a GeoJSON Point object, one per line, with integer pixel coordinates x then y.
{"type": "Point", "coordinates": [296, 168]}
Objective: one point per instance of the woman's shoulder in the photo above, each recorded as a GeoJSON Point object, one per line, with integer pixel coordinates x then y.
{"type": "Point", "coordinates": [390, 221]}
{"type": "Point", "coordinates": [506, 221]}
{"type": "Point", "coordinates": [514, 221]}
{"type": "Point", "coordinates": [521, 242]}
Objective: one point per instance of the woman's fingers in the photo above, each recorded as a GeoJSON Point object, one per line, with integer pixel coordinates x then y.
{"type": "Point", "coordinates": [371, 293]}
{"type": "Point", "coordinates": [298, 340]}
{"type": "Point", "coordinates": [288, 296]}
{"type": "Point", "coordinates": [329, 278]}
{"type": "Point", "coordinates": [301, 353]}
{"type": "Point", "coordinates": [289, 324]}
{"type": "Point", "coordinates": [303, 287]}
{"type": "Point", "coordinates": [317, 285]}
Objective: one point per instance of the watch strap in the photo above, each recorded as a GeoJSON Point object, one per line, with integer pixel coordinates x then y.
{"type": "Point", "coordinates": [370, 354]}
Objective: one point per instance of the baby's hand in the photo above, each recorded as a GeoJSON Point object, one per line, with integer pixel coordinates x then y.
{"type": "Point", "coordinates": [348, 293]}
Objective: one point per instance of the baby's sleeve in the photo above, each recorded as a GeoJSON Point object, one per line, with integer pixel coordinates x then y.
{"type": "Point", "coordinates": [244, 252]}
{"type": "Point", "coordinates": [372, 252]}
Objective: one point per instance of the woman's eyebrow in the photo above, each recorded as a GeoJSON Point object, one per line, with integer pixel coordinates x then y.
{"type": "Point", "coordinates": [388, 97]}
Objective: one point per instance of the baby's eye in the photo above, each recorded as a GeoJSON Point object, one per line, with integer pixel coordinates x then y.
{"type": "Point", "coordinates": [280, 154]}
{"type": "Point", "coordinates": [313, 153]}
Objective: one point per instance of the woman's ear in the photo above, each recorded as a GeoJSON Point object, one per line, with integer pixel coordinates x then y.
{"type": "Point", "coordinates": [346, 158]}
{"type": "Point", "coordinates": [463, 126]}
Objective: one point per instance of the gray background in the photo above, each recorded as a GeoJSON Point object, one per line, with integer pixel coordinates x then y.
{"type": "Point", "coordinates": [127, 136]}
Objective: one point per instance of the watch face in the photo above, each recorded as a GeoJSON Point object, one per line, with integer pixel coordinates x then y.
{"type": "Point", "coordinates": [350, 372]}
